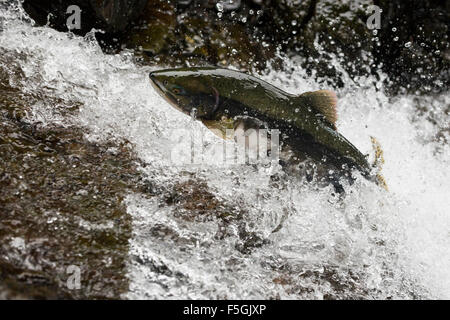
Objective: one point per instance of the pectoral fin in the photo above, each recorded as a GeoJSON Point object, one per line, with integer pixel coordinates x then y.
{"type": "Point", "coordinates": [378, 162]}
{"type": "Point", "coordinates": [238, 125]}
{"type": "Point", "coordinates": [246, 132]}
{"type": "Point", "coordinates": [220, 127]}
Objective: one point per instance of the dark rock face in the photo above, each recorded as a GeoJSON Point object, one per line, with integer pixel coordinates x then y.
{"type": "Point", "coordinates": [112, 16]}
{"type": "Point", "coordinates": [322, 30]}
{"type": "Point", "coordinates": [415, 49]}
{"type": "Point", "coordinates": [117, 14]}
{"type": "Point", "coordinates": [201, 32]}
{"type": "Point", "coordinates": [412, 45]}
{"type": "Point", "coordinates": [57, 211]}
{"type": "Point", "coordinates": [249, 33]}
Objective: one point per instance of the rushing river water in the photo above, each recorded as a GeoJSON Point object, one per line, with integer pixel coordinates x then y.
{"type": "Point", "coordinates": [256, 236]}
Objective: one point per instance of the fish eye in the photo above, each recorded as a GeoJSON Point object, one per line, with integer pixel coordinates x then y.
{"type": "Point", "coordinates": [165, 82]}
{"type": "Point", "coordinates": [177, 90]}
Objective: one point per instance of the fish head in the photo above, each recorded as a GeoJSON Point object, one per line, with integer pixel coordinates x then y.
{"type": "Point", "coordinates": [188, 91]}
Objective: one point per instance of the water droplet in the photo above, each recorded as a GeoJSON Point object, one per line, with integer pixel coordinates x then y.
{"type": "Point", "coordinates": [394, 29]}
{"type": "Point", "coordinates": [408, 44]}
{"type": "Point", "coordinates": [294, 22]}
{"type": "Point", "coordinates": [51, 220]}
{"type": "Point", "coordinates": [219, 6]}
{"type": "Point", "coordinates": [194, 113]}
{"type": "Point", "coordinates": [375, 32]}
{"type": "Point", "coordinates": [396, 39]}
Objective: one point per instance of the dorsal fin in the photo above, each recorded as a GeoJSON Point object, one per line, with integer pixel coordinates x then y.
{"type": "Point", "coordinates": [325, 102]}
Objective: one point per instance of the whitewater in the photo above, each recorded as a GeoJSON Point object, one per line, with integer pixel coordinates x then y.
{"type": "Point", "coordinates": [372, 244]}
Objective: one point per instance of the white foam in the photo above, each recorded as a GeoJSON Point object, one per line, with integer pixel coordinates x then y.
{"type": "Point", "coordinates": [396, 242]}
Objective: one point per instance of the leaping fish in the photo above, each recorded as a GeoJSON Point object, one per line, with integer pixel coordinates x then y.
{"type": "Point", "coordinates": [307, 122]}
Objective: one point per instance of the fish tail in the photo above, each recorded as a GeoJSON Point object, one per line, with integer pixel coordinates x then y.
{"type": "Point", "coordinates": [378, 162]}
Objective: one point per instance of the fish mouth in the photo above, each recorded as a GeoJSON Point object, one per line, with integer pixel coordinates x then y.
{"type": "Point", "coordinates": [164, 93]}
{"type": "Point", "coordinates": [156, 84]}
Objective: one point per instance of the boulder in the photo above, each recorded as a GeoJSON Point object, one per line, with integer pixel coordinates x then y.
{"type": "Point", "coordinates": [332, 38]}
{"type": "Point", "coordinates": [112, 16]}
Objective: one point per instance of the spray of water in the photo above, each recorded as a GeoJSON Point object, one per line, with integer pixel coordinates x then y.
{"type": "Point", "coordinates": [279, 239]}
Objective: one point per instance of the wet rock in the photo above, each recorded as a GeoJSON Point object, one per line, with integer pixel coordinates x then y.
{"type": "Point", "coordinates": [194, 202]}
{"type": "Point", "coordinates": [248, 34]}
{"type": "Point", "coordinates": [320, 31]}
{"type": "Point", "coordinates": [155, 35]}
{"type": "Point", "coordinates": [112, 16]}
{"type": "Point", "coordinates": [117, 14]}
{"type": "Point", "coordinates": [61, 208]}
{"type": "Point", "coordinates": [249, 240]}
{"type": "Point", "coordinates": [201, 32]}
{"type": "Point", "coordinates": [341, 284]}
{"type": "Point", "coordinates": [331, 38]}
{"type": "Point", "coordinates": [415, 47]}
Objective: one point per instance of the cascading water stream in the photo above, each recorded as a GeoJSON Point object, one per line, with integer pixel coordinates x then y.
{"type": "Point", "coordinates": [372, 244]}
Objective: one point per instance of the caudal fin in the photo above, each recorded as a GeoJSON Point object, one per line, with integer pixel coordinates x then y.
{"type": "Point", "coordinates": [378, 162]}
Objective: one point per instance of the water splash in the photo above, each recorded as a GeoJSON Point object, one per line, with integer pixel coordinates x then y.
{"type": "Point", "coordinates": [373, 244]}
